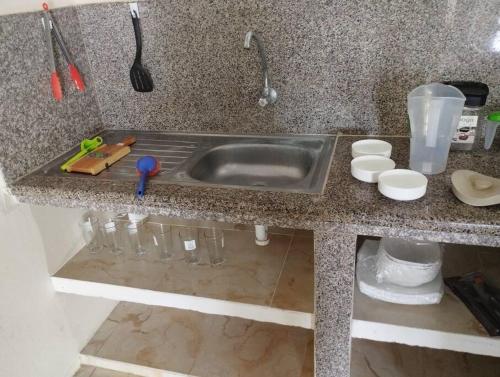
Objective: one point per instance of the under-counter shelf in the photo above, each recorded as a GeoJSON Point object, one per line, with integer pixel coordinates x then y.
{"type": "Point", "coordinates": [448, 325]}
{"type": "Point", "coordinates": [270, 284]}
{"type": "Point", "coordinates": [157, 341]}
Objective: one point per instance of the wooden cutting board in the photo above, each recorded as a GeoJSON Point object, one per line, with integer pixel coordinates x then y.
{"type": "Point", "coordinates": [103, 157]}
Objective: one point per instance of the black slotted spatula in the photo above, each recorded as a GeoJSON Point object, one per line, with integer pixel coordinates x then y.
{"type": "Point", "coordinates": [139, 75]}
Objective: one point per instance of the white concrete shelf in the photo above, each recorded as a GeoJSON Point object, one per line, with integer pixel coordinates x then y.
{"type": "Point", "coordinates": [180, 301]}
{"type": "Point", "coordinates": [267, 284]}
{"type": "Point", "coordinates": [448, 325]}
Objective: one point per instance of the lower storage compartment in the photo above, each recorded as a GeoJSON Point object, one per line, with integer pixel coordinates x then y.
{"type": "Point", "coordinates": [379, 359]}
{"type": "Point", "coordinates": [157, 341]}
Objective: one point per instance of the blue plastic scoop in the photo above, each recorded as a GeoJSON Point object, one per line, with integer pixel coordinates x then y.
{"type": "Point", "coordinates": [146, 166]}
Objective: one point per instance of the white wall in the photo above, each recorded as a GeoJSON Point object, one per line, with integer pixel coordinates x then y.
{"type": "Point", "coordinates": [20, 6]}
{"type": "Point", "coordinates": [35, 336]}
{"type": "Point", "coordinates": [62, 239]}
{"type": "Point", "coordinates": [41, 332]}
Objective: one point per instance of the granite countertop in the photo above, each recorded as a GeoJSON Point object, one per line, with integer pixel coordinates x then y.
{"type": "Point", "coordinates": [345, 204]}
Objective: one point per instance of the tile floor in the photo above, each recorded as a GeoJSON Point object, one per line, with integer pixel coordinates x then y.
{"type": "Point", "coordinates": [200, 344]}
{"type": "Point", "coordinates": [376, 359]}
{"type": "Point", "coordinates": [89, 371]}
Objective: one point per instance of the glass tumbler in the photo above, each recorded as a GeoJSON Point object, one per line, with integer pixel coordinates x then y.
{"type": "Point", "coordinates": [92, 234]}
{"type": "Point", "coordinates": [215, 245]}
{"type": "Point", "coordinates": [189, 242]}
{"type": "Point", "coordinates": [138, 238]}
{"type": "Point", "coordinates": [162, 240]}
{"type": "Point", "coordinates": [113, 236]}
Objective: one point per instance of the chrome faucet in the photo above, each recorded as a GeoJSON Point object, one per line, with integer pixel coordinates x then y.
{"type": "Point", "coordinates": [268, 95]}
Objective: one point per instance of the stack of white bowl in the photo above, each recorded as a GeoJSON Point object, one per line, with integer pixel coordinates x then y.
{"type": "Point", "coordinates": [401, 271]}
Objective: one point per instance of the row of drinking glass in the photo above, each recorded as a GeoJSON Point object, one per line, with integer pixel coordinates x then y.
{"type": "Point", "coordinates": [134, 233]}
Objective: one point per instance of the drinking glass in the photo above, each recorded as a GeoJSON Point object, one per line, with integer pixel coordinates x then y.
{"type": "Point", "coordinates": [215, 245]}
{"type": "Point", "coordinates": [162, 240]}
{"type": "Point", "coordinates": [138, 238]}
{"type": "Point", "coordinates": [113, 236]}
{"type": "Point", "coordinates": [92, 234]}
{"type": "Point", "coordinates": [189, 242]}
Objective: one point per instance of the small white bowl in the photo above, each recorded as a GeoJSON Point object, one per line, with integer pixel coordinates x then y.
{"type": "Point", "coordinates": [402, 184]}
{"type": "Point", "coordinates": [368, 168]}
{"type": "Point", "coordinates": [371, 147]}
{"type": "Point", "coordinates": [408, 263]}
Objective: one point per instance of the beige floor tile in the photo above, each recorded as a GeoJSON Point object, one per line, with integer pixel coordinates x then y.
{"type": "Point", "coordinates": [104, 267]}
{"type": "Point", "coordinates": [252, 349]}
{"type": "Point", "coordinates": [200, 344]}
{"type": "Point", "coordinates": [100, 337]}
{"type": "Point", "coordinates": [249, 274]}
{"type": "Point", "coordinates": [295, 290]}
{"type": "Point", "coordinates": [377, 359]}
{"type": "Point", "coordinates": [155, 337]}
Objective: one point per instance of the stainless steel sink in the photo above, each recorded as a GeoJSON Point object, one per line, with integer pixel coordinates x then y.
{"type": "Point", "coordinates": [272, 163]}
{"type": "Point", "coordinates": [264, 165]}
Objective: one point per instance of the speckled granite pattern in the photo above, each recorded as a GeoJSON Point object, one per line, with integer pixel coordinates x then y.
{"type": "Point", "coordinates": [334, 256]}
{"type": "Point", "coordinates": [345, 202]}
{"type": "Point", "coordinates": [337, 65]}
{"type": "Point", "coordinates": [34, 128]}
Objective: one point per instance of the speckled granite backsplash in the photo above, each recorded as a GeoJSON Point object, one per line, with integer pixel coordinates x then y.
{"type": "Point", "coordinates": [337, 65]}
{"type": "Point", "coordinates": [34, 128]}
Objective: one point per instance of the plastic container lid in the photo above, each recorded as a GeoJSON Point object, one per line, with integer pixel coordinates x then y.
{"type": "Point", "coordinates": [371, 147]}
{"type": "Point", "coordinates": [475, 92]}
{"type": "Point", "coordinates": [368, 168]}
{"type": "Point", "coordinates": [402, 184]}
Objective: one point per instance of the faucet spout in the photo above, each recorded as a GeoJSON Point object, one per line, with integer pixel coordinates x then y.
{"type": "Point", "coordinates": [269, 95]}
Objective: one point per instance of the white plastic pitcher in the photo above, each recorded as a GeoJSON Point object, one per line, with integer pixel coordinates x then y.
{"type": "Point", "coordinates": [434, 111]}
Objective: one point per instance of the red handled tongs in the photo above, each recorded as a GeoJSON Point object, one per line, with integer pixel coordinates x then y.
{"type": "Point", "coordinates": [50, 26]}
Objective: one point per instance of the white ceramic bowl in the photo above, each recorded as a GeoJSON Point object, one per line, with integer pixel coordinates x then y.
{"type": "Point", "coordinates": [408, 263]}
{"type": "Point", "coordinates": [368, 168]}
{"type": "Point", "coordinates": [369, 147]}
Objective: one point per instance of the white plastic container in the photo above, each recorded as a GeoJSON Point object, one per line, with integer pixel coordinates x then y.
{"type": "Point", "coordinates": [434, 111]}
{"type": "Point", "coordinates": [408, 263]}
{"type": "Point", "coordinates": [368, 168]}
{"type": "Point", "coordinates": [370, 147]}
{"type": "Point", "coordinates": [402, 184]}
